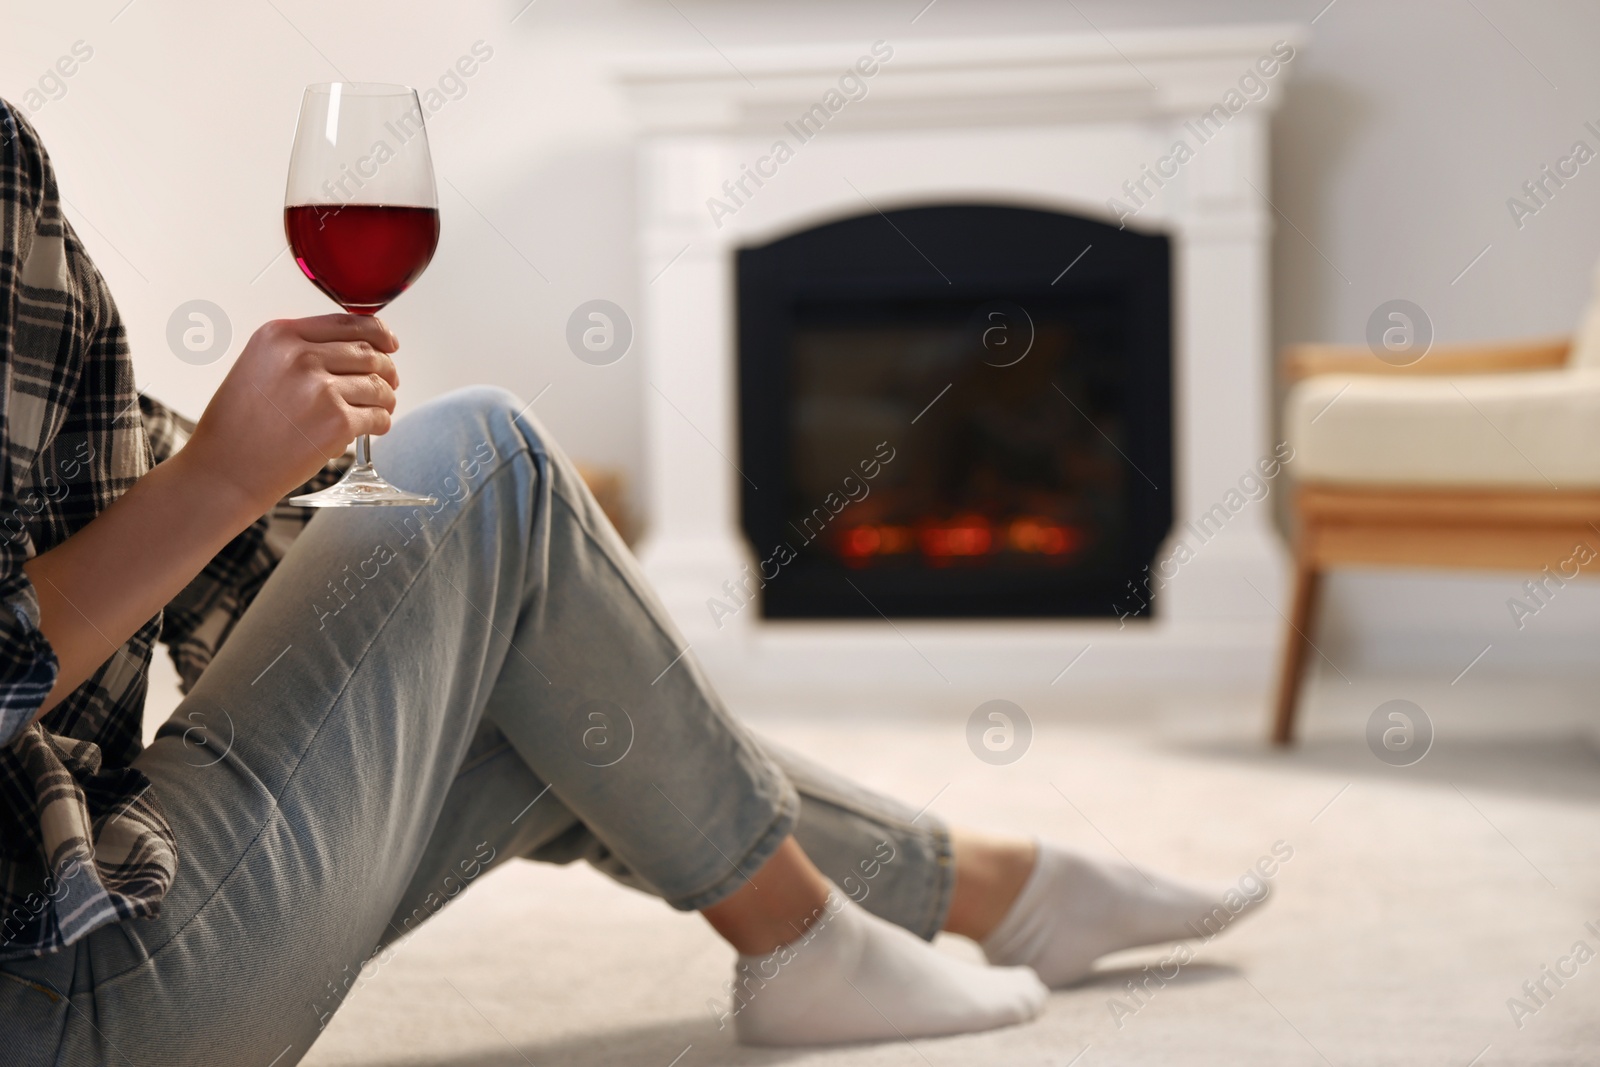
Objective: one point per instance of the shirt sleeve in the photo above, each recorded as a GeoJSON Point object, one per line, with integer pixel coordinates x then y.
{"type": "Point", "coordinates": [27, 664]}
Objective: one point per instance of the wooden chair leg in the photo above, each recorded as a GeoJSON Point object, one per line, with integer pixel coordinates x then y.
{"type": "Point", "coordinates": [1296, 646]}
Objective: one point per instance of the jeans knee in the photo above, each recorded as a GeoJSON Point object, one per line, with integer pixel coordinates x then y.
{"type": "Point", "coordinates": [497, 417]}
{"type": "Point", "coordinates": [481, 402]}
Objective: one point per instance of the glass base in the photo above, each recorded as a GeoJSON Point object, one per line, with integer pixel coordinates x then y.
{"type": "Point", "coordinates": [362, 487]}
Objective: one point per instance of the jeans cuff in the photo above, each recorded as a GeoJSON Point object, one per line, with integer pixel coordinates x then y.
{"type": "Point", "coordinates": [754, 858]}
{"type": "Point", "coordinates": [944, 885]}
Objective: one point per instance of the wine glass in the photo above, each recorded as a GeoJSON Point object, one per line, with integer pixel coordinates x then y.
{"type": "Point", "coordinates": [362, 218]}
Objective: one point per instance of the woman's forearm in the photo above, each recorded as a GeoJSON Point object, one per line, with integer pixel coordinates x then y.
{"type": "Point", "coordinates": [100, 585]}
{"type": "Point", "coordinates": [300, 390]}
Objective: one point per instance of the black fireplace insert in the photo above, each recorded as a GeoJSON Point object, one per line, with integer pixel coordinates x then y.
{"type": "Point", "coordinates": [955, 411]}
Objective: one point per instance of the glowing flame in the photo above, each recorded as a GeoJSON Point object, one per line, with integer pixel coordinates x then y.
{"type": "Point", "coordinates": [966, 536]}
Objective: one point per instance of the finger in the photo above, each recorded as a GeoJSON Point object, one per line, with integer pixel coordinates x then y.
{"type": "Point", "coordinates": [375, 421]}
{"type": "Point", "coordinates": [364, 391]}
{"type": "Point", "coordinates": [344, 327]}
{"type": "Point", "coordinates": [357, 357]}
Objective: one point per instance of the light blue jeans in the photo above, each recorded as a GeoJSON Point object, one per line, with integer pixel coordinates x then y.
{"type": "Point", "coordinates": [414, 698]}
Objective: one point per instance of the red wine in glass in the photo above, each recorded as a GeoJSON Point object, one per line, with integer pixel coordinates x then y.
{"type": "Point", "coordinates": [361, 214]}
{"type": "Point", "coordinates": [362, 255]}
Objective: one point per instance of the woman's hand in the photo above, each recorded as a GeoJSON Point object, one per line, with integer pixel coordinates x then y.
{"type": "Point", "coordinates": [296, 397]}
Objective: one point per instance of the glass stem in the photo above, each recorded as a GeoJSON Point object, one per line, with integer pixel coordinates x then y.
{"type": "Point", "coordinates": [363, 451]}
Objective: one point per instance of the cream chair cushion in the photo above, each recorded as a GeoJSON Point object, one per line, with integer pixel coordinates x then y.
{"type": "Point", "coordinates": [1535, 429]}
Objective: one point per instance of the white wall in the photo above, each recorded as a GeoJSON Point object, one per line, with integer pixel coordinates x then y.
{"type": "Point", "coordinates": [1406, 128]}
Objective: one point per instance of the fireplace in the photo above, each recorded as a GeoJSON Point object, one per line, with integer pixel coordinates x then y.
{"type": "Point", "coordinates": [937, 420]}
{"type": "Point", "coordinates": [786, 333]}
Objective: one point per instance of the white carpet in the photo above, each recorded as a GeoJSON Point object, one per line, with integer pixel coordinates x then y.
{"type": "Point", "coordinates": [1417, 901]}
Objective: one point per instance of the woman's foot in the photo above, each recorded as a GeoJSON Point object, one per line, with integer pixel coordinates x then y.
{"type": "Point", "coordinates": [854, 977]}
{"type": "Point", "coordinates": [815, 969]}
{"type": "Point", "coordinates": [1074, 908]}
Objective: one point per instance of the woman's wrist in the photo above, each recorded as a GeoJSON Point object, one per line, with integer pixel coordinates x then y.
{"type": "Point", "coordinates": [210, 491]}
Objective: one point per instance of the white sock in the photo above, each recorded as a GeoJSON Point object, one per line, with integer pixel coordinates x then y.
{"type": "Point", "coordinates": [1075, 909]}
{"type": "Point", "coordinates": [855, 977]}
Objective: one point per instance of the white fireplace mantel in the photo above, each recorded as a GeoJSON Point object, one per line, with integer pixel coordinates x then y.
{"type": "Point", "coordinates": [1056, 123]}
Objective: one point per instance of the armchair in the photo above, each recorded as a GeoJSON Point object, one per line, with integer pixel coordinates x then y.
{"type": "Point", "coordinates": [1479, 456]}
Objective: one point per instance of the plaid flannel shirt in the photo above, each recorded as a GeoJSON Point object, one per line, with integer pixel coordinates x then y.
{"type": "Point", "coordinates": [83, 841]}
